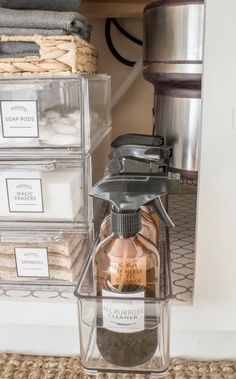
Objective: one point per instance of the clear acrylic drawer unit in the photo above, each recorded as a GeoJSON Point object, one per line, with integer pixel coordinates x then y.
{"type": "Point", "coordinates": [104, 347]}
{"type": "Point", "coordinates": [50, 193]}
{"type": "Point", "coordinates": [48, 114]}
{"type": "Point", "coordinates": [42, 258]}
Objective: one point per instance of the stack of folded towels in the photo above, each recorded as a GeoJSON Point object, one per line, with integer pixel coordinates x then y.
{"type": "Point", "coordinates": [42, 17]}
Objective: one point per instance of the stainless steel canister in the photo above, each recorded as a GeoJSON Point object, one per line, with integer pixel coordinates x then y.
{"type": "Point", "coordinates": [173, 39]}
{"type": "Point", "coordinates": [178, 120]}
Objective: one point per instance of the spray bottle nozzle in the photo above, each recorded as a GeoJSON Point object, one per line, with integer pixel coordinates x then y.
{"type": "Point", "coordinates": [137, 166]}
{"type": "Point", "coordinates": [142, 152]}
{"type": "Point", "coordinates": [159, 208]}
{"type": "Point", "coordinates": [128, 194]}
{"type": "Point", "coordinates": [137, 139]}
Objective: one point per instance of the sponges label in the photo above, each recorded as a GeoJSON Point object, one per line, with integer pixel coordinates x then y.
{"type": "Point", "coordinates": [32, 262]}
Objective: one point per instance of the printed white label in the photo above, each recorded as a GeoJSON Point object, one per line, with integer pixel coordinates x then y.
{"type": "Point", "coordinates": [125, 316]}
{"type": "Point", "coordinates": [19, 119]}
{"type": "Point", "coordinates": [32, 262]}
{"type": "Point", "coordinates": [25, 195]}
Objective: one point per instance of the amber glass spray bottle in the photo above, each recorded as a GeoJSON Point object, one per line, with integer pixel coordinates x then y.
{"type": "Point", "coordinates": [127, 267]}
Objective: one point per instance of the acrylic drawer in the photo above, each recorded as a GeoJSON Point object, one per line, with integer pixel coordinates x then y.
{"type": "Point", "coordinates": [51, 193]}
{"type": "Point", "coordinates": [43, 190]}
{"type": "Point", "coordinates": [124, 334]}
{"type": "Point", "coordinates": [42, 258]}
{"type": "Point", "coordinates": [70, 113]}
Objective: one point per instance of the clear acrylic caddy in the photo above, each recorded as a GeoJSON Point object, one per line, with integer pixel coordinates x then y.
{"type": "Point", "coordinates": [42, 258]}
{"type": "Point", "coordinates": [40, 115]}
{"type": "Point", "coordinates": [51, 193]}
{"type": "Point", "coordinates": [144, 347]}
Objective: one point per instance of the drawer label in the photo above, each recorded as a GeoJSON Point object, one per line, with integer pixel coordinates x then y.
{"type": "Point", "coordinates": [19, 119]}
{"type": "Point", "coordinates": [124, 316]}
{"type": "Point", "coordinates": [32, 262]}
{"type": "Point", "coordinates": [25, 195]}
{"type": "Point", "coordinates": [132, 271]}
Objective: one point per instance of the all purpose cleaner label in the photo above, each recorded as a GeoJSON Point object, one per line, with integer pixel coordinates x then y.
{"type": "Point", "coordinates": [123, 316]}
{"type": "Point", "coordinates": [19, 119]}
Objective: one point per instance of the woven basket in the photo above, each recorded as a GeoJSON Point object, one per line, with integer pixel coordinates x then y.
{"type": "Point", "coordinates": [57, 55]}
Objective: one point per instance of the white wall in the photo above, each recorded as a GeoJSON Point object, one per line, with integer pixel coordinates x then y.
{"type": "Point", "coordinates": [208, 328]}
{"type": "Point", "coordinates": [216, 248]}
{"type": "Point", "coordinates": [134, 112]}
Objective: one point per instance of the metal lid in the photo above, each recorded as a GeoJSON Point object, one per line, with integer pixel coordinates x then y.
{"type": "Point", "coordinates": [171, 3]}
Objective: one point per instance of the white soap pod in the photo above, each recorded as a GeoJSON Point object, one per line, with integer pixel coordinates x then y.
{"type": "Point", "coordinates": [52, 116]}
{"type": "Point", "coordinates": [95, 119]}
{"type": "Point", "coordinates": [77, 124]}
{"type": "Point", "coordinates": [75, 117]}
{"type": "Point", "coordinates": [46, 134]}
{"type": "Point", "coordinates": [65, 126]}
{"type": "Point", "coordinates": [43, 123]}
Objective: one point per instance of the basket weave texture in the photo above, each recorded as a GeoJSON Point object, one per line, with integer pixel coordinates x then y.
{"type": "Point", "coordinates": [13, 366]}
{"type": "Point", "coordinates": [57, 55]}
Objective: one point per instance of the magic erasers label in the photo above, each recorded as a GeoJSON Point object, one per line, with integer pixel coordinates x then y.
{"type": "Point", "coordinates": [25, 195]}
{"type": "Point", "coordinates": [124, 315]}
{"type": "Point", "coordinates": [32, 262]}
{"type": "Point", "coordinates": [19, 119]}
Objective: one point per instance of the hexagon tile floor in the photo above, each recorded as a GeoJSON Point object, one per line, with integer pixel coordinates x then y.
{"type": "Point", "coordinates": [182, 210]}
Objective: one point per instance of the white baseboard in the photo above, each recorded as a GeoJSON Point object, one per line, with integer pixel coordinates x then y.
{"type": "Point", "coordinates": [203, 345]}
{"type": "Point", "coordinates": [39, 340]}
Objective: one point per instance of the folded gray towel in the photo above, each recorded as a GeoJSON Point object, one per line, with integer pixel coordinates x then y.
{"type": "Point", "coordinates": [18, 49]}
{"type": "Point", "coordinates": [85, 33]}
{"type": "Point", "coordinates": [32, 32]}
{"type": "Point", "coordinates": [71, 22]}
{"type": "Point", "coordinates": [51, 5]}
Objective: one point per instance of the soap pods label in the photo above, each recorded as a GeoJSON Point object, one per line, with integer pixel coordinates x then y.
{"type": "Point", "coordinates": [19, 119]}
{"type": "Point", "coordinates": [32, 262]}
{"type": "Point", "coordinates": [25, 195]}
{"type": "Point", "coordinates": [123, 316]}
